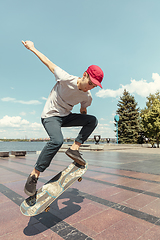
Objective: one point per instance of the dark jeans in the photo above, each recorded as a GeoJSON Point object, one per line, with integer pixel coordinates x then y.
{"type": "Point", "coordinates": [53, 126]}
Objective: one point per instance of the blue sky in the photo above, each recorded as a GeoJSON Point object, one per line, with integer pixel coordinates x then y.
{"type": "Point", "coordinates": [122, 37]}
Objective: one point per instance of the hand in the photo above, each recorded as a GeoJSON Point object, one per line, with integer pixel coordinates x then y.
{"type": "Point", "coordinates": [83, 111]}
{"type": "Point", "coordinates": [28, 44]}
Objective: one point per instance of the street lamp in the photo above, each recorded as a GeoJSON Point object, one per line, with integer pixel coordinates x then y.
{"type": "Point", "coordinates": [97, 138]}
{"type": "Point", "coordinates": [116, 119]}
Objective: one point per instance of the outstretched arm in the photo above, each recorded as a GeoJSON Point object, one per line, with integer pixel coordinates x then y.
{"type": "Point", "coordinates": [30, 45]}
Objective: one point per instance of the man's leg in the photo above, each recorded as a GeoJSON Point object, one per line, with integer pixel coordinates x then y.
{"type": "Point", "coordinates": [52, 126]}
{"type": "Point", "coordinates": [88, 123]}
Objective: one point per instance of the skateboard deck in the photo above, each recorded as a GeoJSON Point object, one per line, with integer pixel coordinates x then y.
{"type": "Point", "coordinates": [51, 190]}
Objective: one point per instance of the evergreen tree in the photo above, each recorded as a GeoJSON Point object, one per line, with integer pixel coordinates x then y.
{"type": "Point", "coordinates": [128, 125]}
{"type": "Point", "coordinates": [150, 118]}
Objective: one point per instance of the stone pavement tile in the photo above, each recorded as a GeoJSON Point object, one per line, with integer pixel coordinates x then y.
{"type": "Point", "coordinates": [108, 191]}
{"type": "Point", "coordinates": [152, 234]}
{"type": "Point", "coordinates": [141, 200]}
{"type": "Point", "coordinates": [10, 177]}
{"type": "Point", "coordinates": [17, 186]}
{"type": "Point", "coordinates": [142, 185]}
{"type": "Point", "coordinates": [155, 189]}
{"type": "Point", "coordinates": [102, 177]}
{"type": "Point", "coordinates": [126, 173]}
{"type": "Point", "coordinates": [19, 235]}
{"type": "Point", "coordinates": [47, 233]}
{"type": "Point", "coordinates": [100, 205]}
{"type": "Point", "coordinates": [4, 172]}
{"type": "Point", "coordinates": [93, 174]}
{"type": "Point", "coordinates": [122, 196]}
{"type": "Point", "coordinates": [149, 186]}
{"type": "Point", "coordinates": [128, 228]}
{"type": "Point", "coordinates": [33, 234]}
{"type": "Point", "coordinates": [6, 205]}
{"type": "Point", "coordinates": [130, 206]}
{"type": "Point", "coordinates": [153, 208]}
{"type": "Point", "coordinates": [90, 210]}
{"type": "Point", "coordinates": [9, 218]}
{"type": "Point", "coordinates": [104, 169]}
{"type": "Point", "coordinates": [3, 199]}
{"type": "Point", "coordinates": [89, 187]}
{"type": "Point", "coordinates": [103, 220]}
{"type": "Point", "coordinates": [96, 168]}
{"type": "Point", "coordinates": [81, 227]}
{"type": "Point", "coordinates": [117, 180]}
{"type": "Point", "coordinates": [146, 176]}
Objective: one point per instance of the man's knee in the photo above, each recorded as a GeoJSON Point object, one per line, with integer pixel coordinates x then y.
{"type": "Point", "coordinates": [56, 142]}
{"type": "Point", "coordinates": [93, 121]}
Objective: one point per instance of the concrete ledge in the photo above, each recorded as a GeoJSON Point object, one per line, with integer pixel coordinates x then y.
{"type": "Point", "coordinates": [4, 154]}
{"type": "Point", "coordinates": [18, 153]}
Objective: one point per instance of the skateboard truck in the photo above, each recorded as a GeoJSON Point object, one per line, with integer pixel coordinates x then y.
{"type": "Point", "coordinates": [80, 179]}
{"type": "Point", "coordinates": [47, 209]}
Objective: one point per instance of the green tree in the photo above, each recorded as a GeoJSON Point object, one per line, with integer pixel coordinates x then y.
{"type": "Point", "coordinates": [150, 118]}
{"type": "Point", "coordinates": [128, 125]}
{"type": "Point", "coordinates": [151, 98]}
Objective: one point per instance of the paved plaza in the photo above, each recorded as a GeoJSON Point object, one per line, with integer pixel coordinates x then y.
{"type": "Point", "coordinates": [118, 198]}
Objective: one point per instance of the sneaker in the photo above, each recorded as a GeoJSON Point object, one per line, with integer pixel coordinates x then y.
{"type": "Point", "coordinates": [30, 186]}
{"type": "Point", "coordinates": [76, 156]}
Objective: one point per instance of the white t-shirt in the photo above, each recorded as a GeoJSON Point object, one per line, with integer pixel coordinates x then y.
{"type": "Point", "coordinates": [64, 95]}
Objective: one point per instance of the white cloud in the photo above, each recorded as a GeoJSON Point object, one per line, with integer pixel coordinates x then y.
{"type": "Point", "coordinates": [44, 98]}
{"type": "Point", "coordinates": [8, 99]}
{"type": "Point", "coordinates": [15, 122]}
{"type": "Point", "coordinates": [141, 87]}
{"type": "Point", "coordinates": [35, 126]}
{"type": "Point", "coordinates": [31, 102]}
{"type": "Point", "coordinates": [17, 127]}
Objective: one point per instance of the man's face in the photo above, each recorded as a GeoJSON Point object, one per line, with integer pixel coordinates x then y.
{"type": "Point", "coordinates": [86, 84]}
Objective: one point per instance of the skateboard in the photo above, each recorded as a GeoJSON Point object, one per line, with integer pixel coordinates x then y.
{"type": "Point", "coordinates": [51, 190]}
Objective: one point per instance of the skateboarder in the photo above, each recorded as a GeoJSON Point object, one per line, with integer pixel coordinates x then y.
{"type": "Point", "coordinates": [67, 92]}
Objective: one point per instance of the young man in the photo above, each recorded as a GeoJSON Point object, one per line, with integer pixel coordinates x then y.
{"type": "Point", "coordinates": [67, 92]}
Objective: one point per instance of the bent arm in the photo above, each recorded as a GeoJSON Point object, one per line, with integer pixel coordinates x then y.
{"type": "Point", "coordinates": [30, 45]}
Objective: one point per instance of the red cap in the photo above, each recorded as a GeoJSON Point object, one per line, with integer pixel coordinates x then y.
{"type": "Point", "coordinates": [96, 74]}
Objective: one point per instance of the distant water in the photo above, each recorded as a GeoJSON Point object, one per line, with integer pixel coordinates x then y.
{"type": "Point", "coordinates": [18, 146]}
{"type": "Point", "coordinates": [26, 146]}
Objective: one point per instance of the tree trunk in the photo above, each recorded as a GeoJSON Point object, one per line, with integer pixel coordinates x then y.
{"type": "Point", "coordinates": [157, 142]}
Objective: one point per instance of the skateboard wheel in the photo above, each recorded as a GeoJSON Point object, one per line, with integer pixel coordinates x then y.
{"type": "Point", "coordinates": [47, 209]}
{"type": "Point", "coordinates": [79, 179]}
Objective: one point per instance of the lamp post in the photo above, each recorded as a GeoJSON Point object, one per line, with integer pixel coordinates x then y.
{"type": "Point", "coordinates": [97, 138]}
{"type": "Point", "coordinates": [116, 119]}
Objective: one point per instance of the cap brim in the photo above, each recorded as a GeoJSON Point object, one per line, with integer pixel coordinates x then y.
{"type": "Point", "coordinates": [95, 81]}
